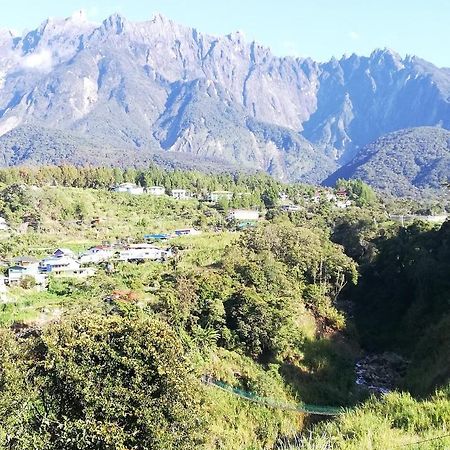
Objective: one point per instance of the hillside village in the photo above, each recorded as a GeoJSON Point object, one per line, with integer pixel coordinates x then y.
{"type": "Point", "coordinates": [155, 245]}
{"type": "Point", "coordinates": [29, 271]}
{"type": "Point", "coordinates": [338, 197]}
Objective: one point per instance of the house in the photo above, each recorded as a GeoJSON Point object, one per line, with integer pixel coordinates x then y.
{"type": "Point", "coordinates": [180, 194]}
{"type": "Point", "coordinates": [26, 261]}
{"type": "Point", "coordinates": [156, 190]}
{"type": "Point", "coordinates": [129, 188]}
{"type": "Point", "coordinates": [24, 266]}
{"type": "Point", "coordinates": [61, 252]}
{"type": "Point", "coordinates": [243, 214]}
{"type": "Point", "coordinates": [64, 267]}
{"type": "Point", "coordinates": [141, 252]}
{"type": "Point", "coordinates": [96, 255]}
{"type": "Point", "coordinates": [342, 204]}
{"type": "Point", "coordinates": [341, 194]}
{"type": "Point", "coordinates": [215, 196]}
{"type": "Point", "coordinates": [290, 207]}
{"type": "Point", "coordinates": [3, 225]}
{"type": "Point", "coordinates": [16, 273]}
{"type": "Point", "coordinates": [58, 263]}
{"type": "Point", "coordinates": [187, 232]}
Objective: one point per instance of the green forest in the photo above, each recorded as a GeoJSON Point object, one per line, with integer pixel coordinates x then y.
{"type": "Point", "coordinates": [151, 355]}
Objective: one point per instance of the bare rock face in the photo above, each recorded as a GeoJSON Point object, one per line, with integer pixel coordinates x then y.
{"type": "Point", "coordinates": [158, 86]}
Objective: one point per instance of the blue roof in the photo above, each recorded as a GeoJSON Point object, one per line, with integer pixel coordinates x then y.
{"type": "Point", "coordinates": [156, 236]}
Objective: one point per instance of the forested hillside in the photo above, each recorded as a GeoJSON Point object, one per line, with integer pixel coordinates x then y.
{"type": "Point", "coordinates": [405, 163]}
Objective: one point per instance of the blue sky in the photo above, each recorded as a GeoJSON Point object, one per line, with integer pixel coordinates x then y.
{"type": "Point", "coordinates": [315, 28]}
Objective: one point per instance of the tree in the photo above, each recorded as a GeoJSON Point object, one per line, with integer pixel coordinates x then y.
{"type": "Point", "coordinates": [113, 383]}
{"type": "Point", "coordinates": [257, 321]}
{"type": "Point", "coordinates": [27, 282]}
{"type": "Point", "coordinates": [270, 196]}
{"type": "Point", "coordinates": [17, 398]}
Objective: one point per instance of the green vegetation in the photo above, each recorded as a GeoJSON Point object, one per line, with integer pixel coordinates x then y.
{"type": "Point", "coordinates": [116, 361]}
{"type": "Point", "coordinates": [395, 421]}
{"type": "Point", "coordinates": [411, 313]}
{"type": "Point", "coordinates": [412, 162]}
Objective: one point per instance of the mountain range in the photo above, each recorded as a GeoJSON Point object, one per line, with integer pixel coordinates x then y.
{"type": "Point", "coordinates": [128, 93]}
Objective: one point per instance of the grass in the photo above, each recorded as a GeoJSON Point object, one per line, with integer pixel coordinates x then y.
{"type": "Point", "coordinates": [27, 306]}
{"type": "Point", "coordinates": [395, 421]}
{"type": "Point", "coordinates": [203, 250]}
{"type": "Point", "coordinates": [234, 423]}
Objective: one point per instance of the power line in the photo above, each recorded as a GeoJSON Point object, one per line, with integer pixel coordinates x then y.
{"type": "Point", "coordinates": [424, 440]}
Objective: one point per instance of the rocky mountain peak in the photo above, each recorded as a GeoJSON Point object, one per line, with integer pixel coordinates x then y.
{"type": "Point", "coordinates": [115, 23]}
{"type": "Point", "coordinates": [387, 56]}
{"type": "Point", "coordinates": [158, 18]}
{"type": "Point", "coordinates": [161, 86]}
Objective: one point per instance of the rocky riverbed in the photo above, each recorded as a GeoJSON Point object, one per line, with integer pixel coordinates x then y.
{"type": "Point", "coordinates": [380, 373]}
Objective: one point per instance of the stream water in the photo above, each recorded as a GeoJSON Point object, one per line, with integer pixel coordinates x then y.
{"type": "Point", "coordinates": [380, 373]}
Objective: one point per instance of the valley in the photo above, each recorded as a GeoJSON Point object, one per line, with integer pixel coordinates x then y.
{"type": "Point", "coordinates": [209, 244]}
{"type": "Point", "coordinates": [250, 305]}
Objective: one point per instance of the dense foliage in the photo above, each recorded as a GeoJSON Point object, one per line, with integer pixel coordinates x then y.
{"type": "Point", "coordinates": [408, 162]}
{"type": "Point", "coordinates": [104, 382]}
{"type": "Point", "coordinates": [279, 309]}
{"type": "Point", "coordinates": [410, 313]}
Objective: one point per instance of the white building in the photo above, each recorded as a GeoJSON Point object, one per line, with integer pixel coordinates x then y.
{"type": "Point", "coordinates": [180, 194]}
{"type": "Point", "coordinates": [342, 204]}
{"type": "Point", "coordinates": [243, 214]}
{"type": "Point", "coordinates": [96, 255]}
{"type": "Point", "coordinates": [129, 188]}
{"type": "Point", "coordinates": [64, 266]}
{"type": "Point", "coordinates": [215, 196]}
{"type": "Point", "coordinates": [156, 190]}
{"type": "Point", "coordinates": [141, 252]}
{"type": "Point", "coordinates": [3, 225]}
{"type": "Point", "coordinates": [23, 267]}
{"type": "Point", "coordinates": [187, 232]}
{"type": "Point", "coordinates": [291, 208]}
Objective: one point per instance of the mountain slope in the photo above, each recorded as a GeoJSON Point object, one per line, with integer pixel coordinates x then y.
{"type": "Point", "coordinates": [34, 145]}
{"type": "Point", "coordinates": [160, 86]}
{"type": "Point", "coordinates": [203, 118]}
{"type": "Point", "coordinates": [403, 162]}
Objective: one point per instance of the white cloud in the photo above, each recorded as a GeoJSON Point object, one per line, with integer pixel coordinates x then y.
{"type": "Point", "coordinates": [353, 35]}
{"type": "Point", "coordinates": [38, 61]}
